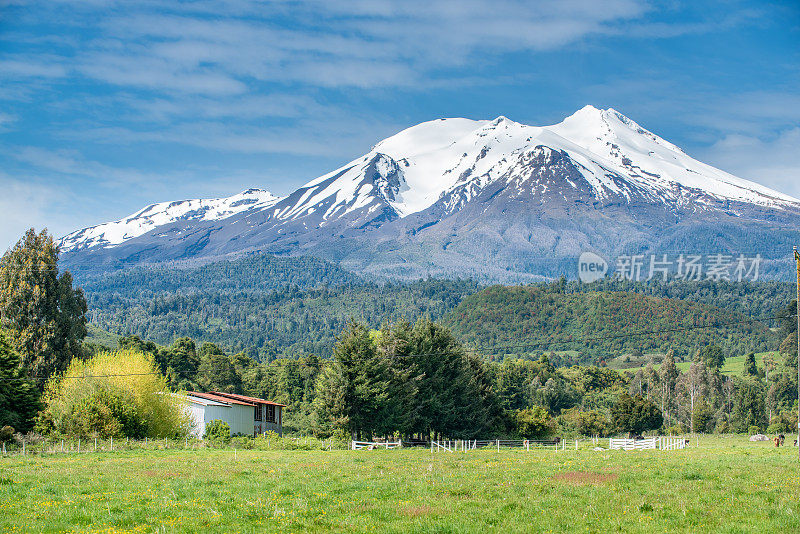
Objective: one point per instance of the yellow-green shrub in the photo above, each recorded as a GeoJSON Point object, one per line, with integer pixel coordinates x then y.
{"type": "Point", "coordinates": [118, 394]}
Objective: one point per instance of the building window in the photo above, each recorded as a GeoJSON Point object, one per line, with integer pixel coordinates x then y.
{"type": "Point", "coordinates": [258, 412]}
{"type": "Point", "coordinates": [270, 413]}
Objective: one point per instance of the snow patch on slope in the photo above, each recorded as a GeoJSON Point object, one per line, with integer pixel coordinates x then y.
{"type": "Point", "coordinates": [155, 215]}
{"type": "Point", "coordinates": [456, 158]}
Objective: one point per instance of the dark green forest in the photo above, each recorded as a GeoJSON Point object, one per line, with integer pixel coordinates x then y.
{"type": "Point", "coordinates": [521, 320]}
{"type": "Point", "coordinates": [488, 358]}
{"type": "Point", "coordinates": [272, 307]}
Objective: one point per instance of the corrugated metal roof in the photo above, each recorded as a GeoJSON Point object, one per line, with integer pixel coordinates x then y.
{"type": "Point", "coordinates": [246, 398]}
{"type": "Point", "coordinates": [206, 402]}
{"type": "Point", "coordinates": [219, 398]}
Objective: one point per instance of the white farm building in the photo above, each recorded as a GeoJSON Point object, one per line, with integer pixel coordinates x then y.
{"type": "Point", "coordinates": [248, 416]}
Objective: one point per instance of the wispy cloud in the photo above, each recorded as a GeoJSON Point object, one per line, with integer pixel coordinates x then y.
{"type": "Point", "coordinates": [773, 161]}
{"type": "Point", "coordinates": [208, 48]}
{"type": "Point", "coordinates": [131, 102]}
{"type": "Point", "coordinates": [25, 204]}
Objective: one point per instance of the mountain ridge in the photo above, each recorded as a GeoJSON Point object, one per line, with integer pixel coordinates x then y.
{"type": "Point", "coordinates": [457, 195]}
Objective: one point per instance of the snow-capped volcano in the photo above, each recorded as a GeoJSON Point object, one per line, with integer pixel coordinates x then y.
{"type": "Point", "coordinates": [163, 213]}
{"type": "Point", "coordinates": [423, 199]}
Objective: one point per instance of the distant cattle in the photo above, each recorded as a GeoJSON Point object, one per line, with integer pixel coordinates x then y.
{"type": "Point", "coordinates": [777, 441]}
{"type": "Point", "coordinates": [782, 438]}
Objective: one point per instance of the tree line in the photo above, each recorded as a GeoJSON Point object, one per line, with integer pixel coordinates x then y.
{"type": "Point", "coordinates": [290, 306]}
{"type": "Point", "coordinates": [415, 380]}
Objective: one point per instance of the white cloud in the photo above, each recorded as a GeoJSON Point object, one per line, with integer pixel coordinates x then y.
{"type": "Point", "coordinates": [774, 162]}
{"type": "Point", "coordinates": [23, 205]}
{"type": "Point", "coordinates": [209, 48]}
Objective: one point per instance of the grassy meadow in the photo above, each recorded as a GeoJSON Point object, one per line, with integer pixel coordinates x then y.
{"type": "Point", "coordinates": [734, 365]}
{"type": "Point", "coordinates": [724, 484]}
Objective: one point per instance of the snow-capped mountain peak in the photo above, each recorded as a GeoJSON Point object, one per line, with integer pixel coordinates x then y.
{"type": "Point", "coordinates": [458, 173]}
{"type": "Point", "coordinates": [162, 213]}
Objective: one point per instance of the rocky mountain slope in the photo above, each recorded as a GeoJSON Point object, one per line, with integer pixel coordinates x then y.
{"type": "Point", "coordinates": [496, 200]}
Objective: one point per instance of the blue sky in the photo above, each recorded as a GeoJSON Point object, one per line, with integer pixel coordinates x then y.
{"type": "Point", "coordinates": [108, 106]}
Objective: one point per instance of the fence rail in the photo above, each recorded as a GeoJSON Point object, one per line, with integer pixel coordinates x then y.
{"type": "Point", "coordinates": [49, 446]}
{"type": "Point", "coordinates": [662, 443]}
{"type": "Point", "coordinates": [70, 446]}
{"type": "Point", "coordinates": [370, 445]}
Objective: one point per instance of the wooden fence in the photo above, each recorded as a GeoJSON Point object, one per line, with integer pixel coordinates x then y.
{"type": "Point", "coordinates": [370, 445]}
{"type": "Point", "coordinates": [662, 443]}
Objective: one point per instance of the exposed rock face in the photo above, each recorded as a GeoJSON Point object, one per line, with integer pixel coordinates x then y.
{"type": "Point", "coordinates": [493, 199]}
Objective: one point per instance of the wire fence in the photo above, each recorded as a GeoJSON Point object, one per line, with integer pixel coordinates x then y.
{"type": "Point", "coordinates": [37, 446]}
{"type": "Point", "coordinates": [54, 446]}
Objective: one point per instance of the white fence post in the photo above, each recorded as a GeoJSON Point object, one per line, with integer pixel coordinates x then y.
{"type": "Point", "coordinates": [498, 445]}
{"type": "Point", "coordinates": [112, 443]}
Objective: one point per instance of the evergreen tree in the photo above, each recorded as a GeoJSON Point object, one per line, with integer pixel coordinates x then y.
{"type": "Point", "coordinates": [788, 319]}
{"type": "Point", "coordinates": [216, 372]}
{"type": "Point", "coordinates": [357, 384]}
{"type": "Point", "coordinates": [635, 414]}
{"type": "Point", "coordinates": [748, 407]}
{"type": "Point", "coordinates": [750, 368]}
{"type": "Point", "coordinates": [713, 356]}
{"type": "Point", "coordinates": [19, 397]}
{"type": "Point", "coordinates": [179, 362]}
{"type": "Point", "coordinates": [455, 398]}
{"type": "Point", "coordinates": [404, 381]}
{"type": "Point", "coordinates": [43, 314]}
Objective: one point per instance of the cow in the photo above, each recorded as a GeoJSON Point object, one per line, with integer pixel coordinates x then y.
{"type": "Point", "coordinates": [777, 441]}
{"type": "Point", "coordinates": [782, 438]}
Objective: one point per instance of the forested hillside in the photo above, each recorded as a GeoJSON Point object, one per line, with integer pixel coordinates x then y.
{"type": "Point", "coordinates": [754, 299]}
{"type": "Point", "coordinates": [252, 273]}
{"type": "Point", "coordinates": [520, 320]}
{"type": "Point", "coordinates": [274, 306]}
{"type": "Point", "coordinates": [287, 321]}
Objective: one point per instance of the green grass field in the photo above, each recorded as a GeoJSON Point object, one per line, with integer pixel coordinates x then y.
{"type": "Point", "coordinates": [727, 484]}
{"type": "Point", "coordinates": [734, 365]}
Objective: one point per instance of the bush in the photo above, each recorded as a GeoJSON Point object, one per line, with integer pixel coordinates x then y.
{"type": "Point", "coordinates": [119, 394]}
{"type": "Point", "coordinates": [752, 430]}
{"type": "Point", "coordinates": [783, 423]}
{"type": "Point", "coordinates": [675, 430]}
{"type": "Point", "coordinates": [635, 414]}
{"type": "Point", "coordinates": [703, 418]}
{"type": "Point", "coordinates": [241, 442]}
{"type": "Point", "coordinates": [586, 423]}
{"type": "Point", "coordinates": [534, 422]}
{"type": "Point", "coordinates": [6, 433]}
{"type": "Point", "coordinates": [218, 430]}
{"type": "Point", "coordinates": [723, 427]}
